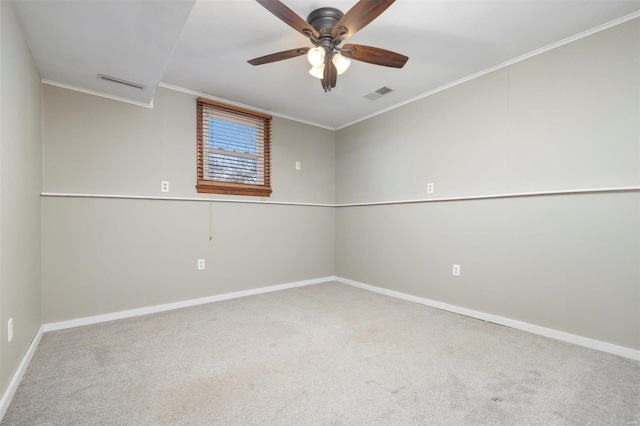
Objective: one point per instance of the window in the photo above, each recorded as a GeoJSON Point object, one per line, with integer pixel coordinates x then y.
{"type": "Point", "coordinates": [233, 150]}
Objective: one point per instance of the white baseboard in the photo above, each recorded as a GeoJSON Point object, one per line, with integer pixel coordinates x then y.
{"type": "Point", "coordinates": [535, 329]}
{"type": "Point", "coordinates": [558, 335]}
{"type": "Point", "coordinates": [17, 377]}
{"type": "Point", "coordinates": [177, 305]}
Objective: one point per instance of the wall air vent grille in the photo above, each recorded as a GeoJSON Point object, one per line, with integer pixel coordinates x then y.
{"type": "Point", "coordinates": [120, 81]}
{"type": "Point", "coordinates": [378, 93]}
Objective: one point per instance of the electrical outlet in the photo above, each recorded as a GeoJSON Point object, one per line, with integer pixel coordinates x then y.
{"type": "Point", "coordinates": [297, 165]}
{"type": "Point", "coordinates": [10, 330]}
{"type": "Point", "coordinates": [456, 270]}
{"type": "Point", "coordinates": [429, 188]}
{"type": "Point", "coordinates": [165, 186]}
{"type": "Point", "coordinates": [200, 264]}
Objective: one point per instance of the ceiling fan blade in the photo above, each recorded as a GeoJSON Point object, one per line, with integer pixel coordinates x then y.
{"type": "Point", "coordinates": [359, 16]}
{"type": "Point", "coordinates": [374, 55]}
{"type": "Point", "coordinates": [330, 76]}
{"type": "Point", "coordinates": [289, 17]}
{"type": "Point", "coordinates": [333, 74]}
{"type": "Point", "coordinates": [274, 57]}
{"type": "Point", "coordinates": [324, 85]}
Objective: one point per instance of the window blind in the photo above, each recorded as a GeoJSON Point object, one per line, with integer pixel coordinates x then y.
{"type": "Point", "coordinates": [233, 150]}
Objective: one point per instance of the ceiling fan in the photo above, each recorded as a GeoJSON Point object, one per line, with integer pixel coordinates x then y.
{"type": "Point", "coordinates": [327, 27]}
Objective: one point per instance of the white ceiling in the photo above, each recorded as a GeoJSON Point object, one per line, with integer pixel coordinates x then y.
{"type": "Point", "coordinates": [446, 40]}
{"type": "Point", "coordinates": [74, 41]}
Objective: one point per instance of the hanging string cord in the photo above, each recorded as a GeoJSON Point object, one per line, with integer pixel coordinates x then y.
{"type": "Point", "coordinates": [210, 218]}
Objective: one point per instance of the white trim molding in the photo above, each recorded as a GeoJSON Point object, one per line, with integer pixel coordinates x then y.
{"type": "Point", "coordinates": [94, 93]}
{"type": "Point", "coordinates": [519, 325]}
{"type": "Point", "coordinates": [241, 105]}
{"type": "Point", "coordinates": [520, 58]}
{"type": "Point", "coordinates": [496, 196]}
{"type": "Point", "coordinates": [363, 204]}
{"type": "Point", "coordinates": [178, 305]}
{"type": "Point", "coordinates": [558, 335]}
{"type": "Point", "coordinates": [17, 376]}
{"type": "Point", "coordinates": [159, 198]}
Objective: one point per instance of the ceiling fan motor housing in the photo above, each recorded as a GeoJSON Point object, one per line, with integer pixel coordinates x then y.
{"type": "Point", "coordinates": [324, 19]}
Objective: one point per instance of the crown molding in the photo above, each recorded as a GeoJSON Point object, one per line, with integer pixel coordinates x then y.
{"type": "Point", "coordinates": [241, 105]}
{"type": "Point", "coordinates": [510, 62]}
{"type": "Point", "coordinates": [94, 93]}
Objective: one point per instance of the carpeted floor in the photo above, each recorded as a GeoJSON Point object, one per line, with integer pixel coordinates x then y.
{"type": "Point", "coordinates": [322, 354]}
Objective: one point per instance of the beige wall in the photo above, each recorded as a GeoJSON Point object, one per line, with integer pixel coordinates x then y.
{"type": "Point", "coordinates": [566, 119]}
{"type": "Point", "coordinates": [99, 146]}
{"type": "Point", "coordinates": [105, 255]}
{"type": "Point", "coordinates": [20, 185]}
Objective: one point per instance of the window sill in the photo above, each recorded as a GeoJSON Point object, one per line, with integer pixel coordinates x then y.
{"type": "Point", "coordinates": [209, 187]}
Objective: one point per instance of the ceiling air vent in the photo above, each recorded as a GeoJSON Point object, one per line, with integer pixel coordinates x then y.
{"type": "Point", "coordinates": [120, 81]}
{"type": "Point", "coordinates": [378, 93]}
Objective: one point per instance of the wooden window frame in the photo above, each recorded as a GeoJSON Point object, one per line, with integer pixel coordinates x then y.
{"type": "Point", "coordinates": [229, 188]}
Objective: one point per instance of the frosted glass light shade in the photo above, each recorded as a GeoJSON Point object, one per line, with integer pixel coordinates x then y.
{"type": "Point", "coordinates": [316, 56]}
{"type": "Point", "coordinates": [317, 71]}
{"type": "Point", "coordinates": [341, 63]}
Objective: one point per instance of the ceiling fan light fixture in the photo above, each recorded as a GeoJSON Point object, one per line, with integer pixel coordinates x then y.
{"type": "Point", "coordinates": [317, 71]}
{"type": "Point", "coordinates": [316, 56]}
{"type": "Point", "coordinates": [340, 62]}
